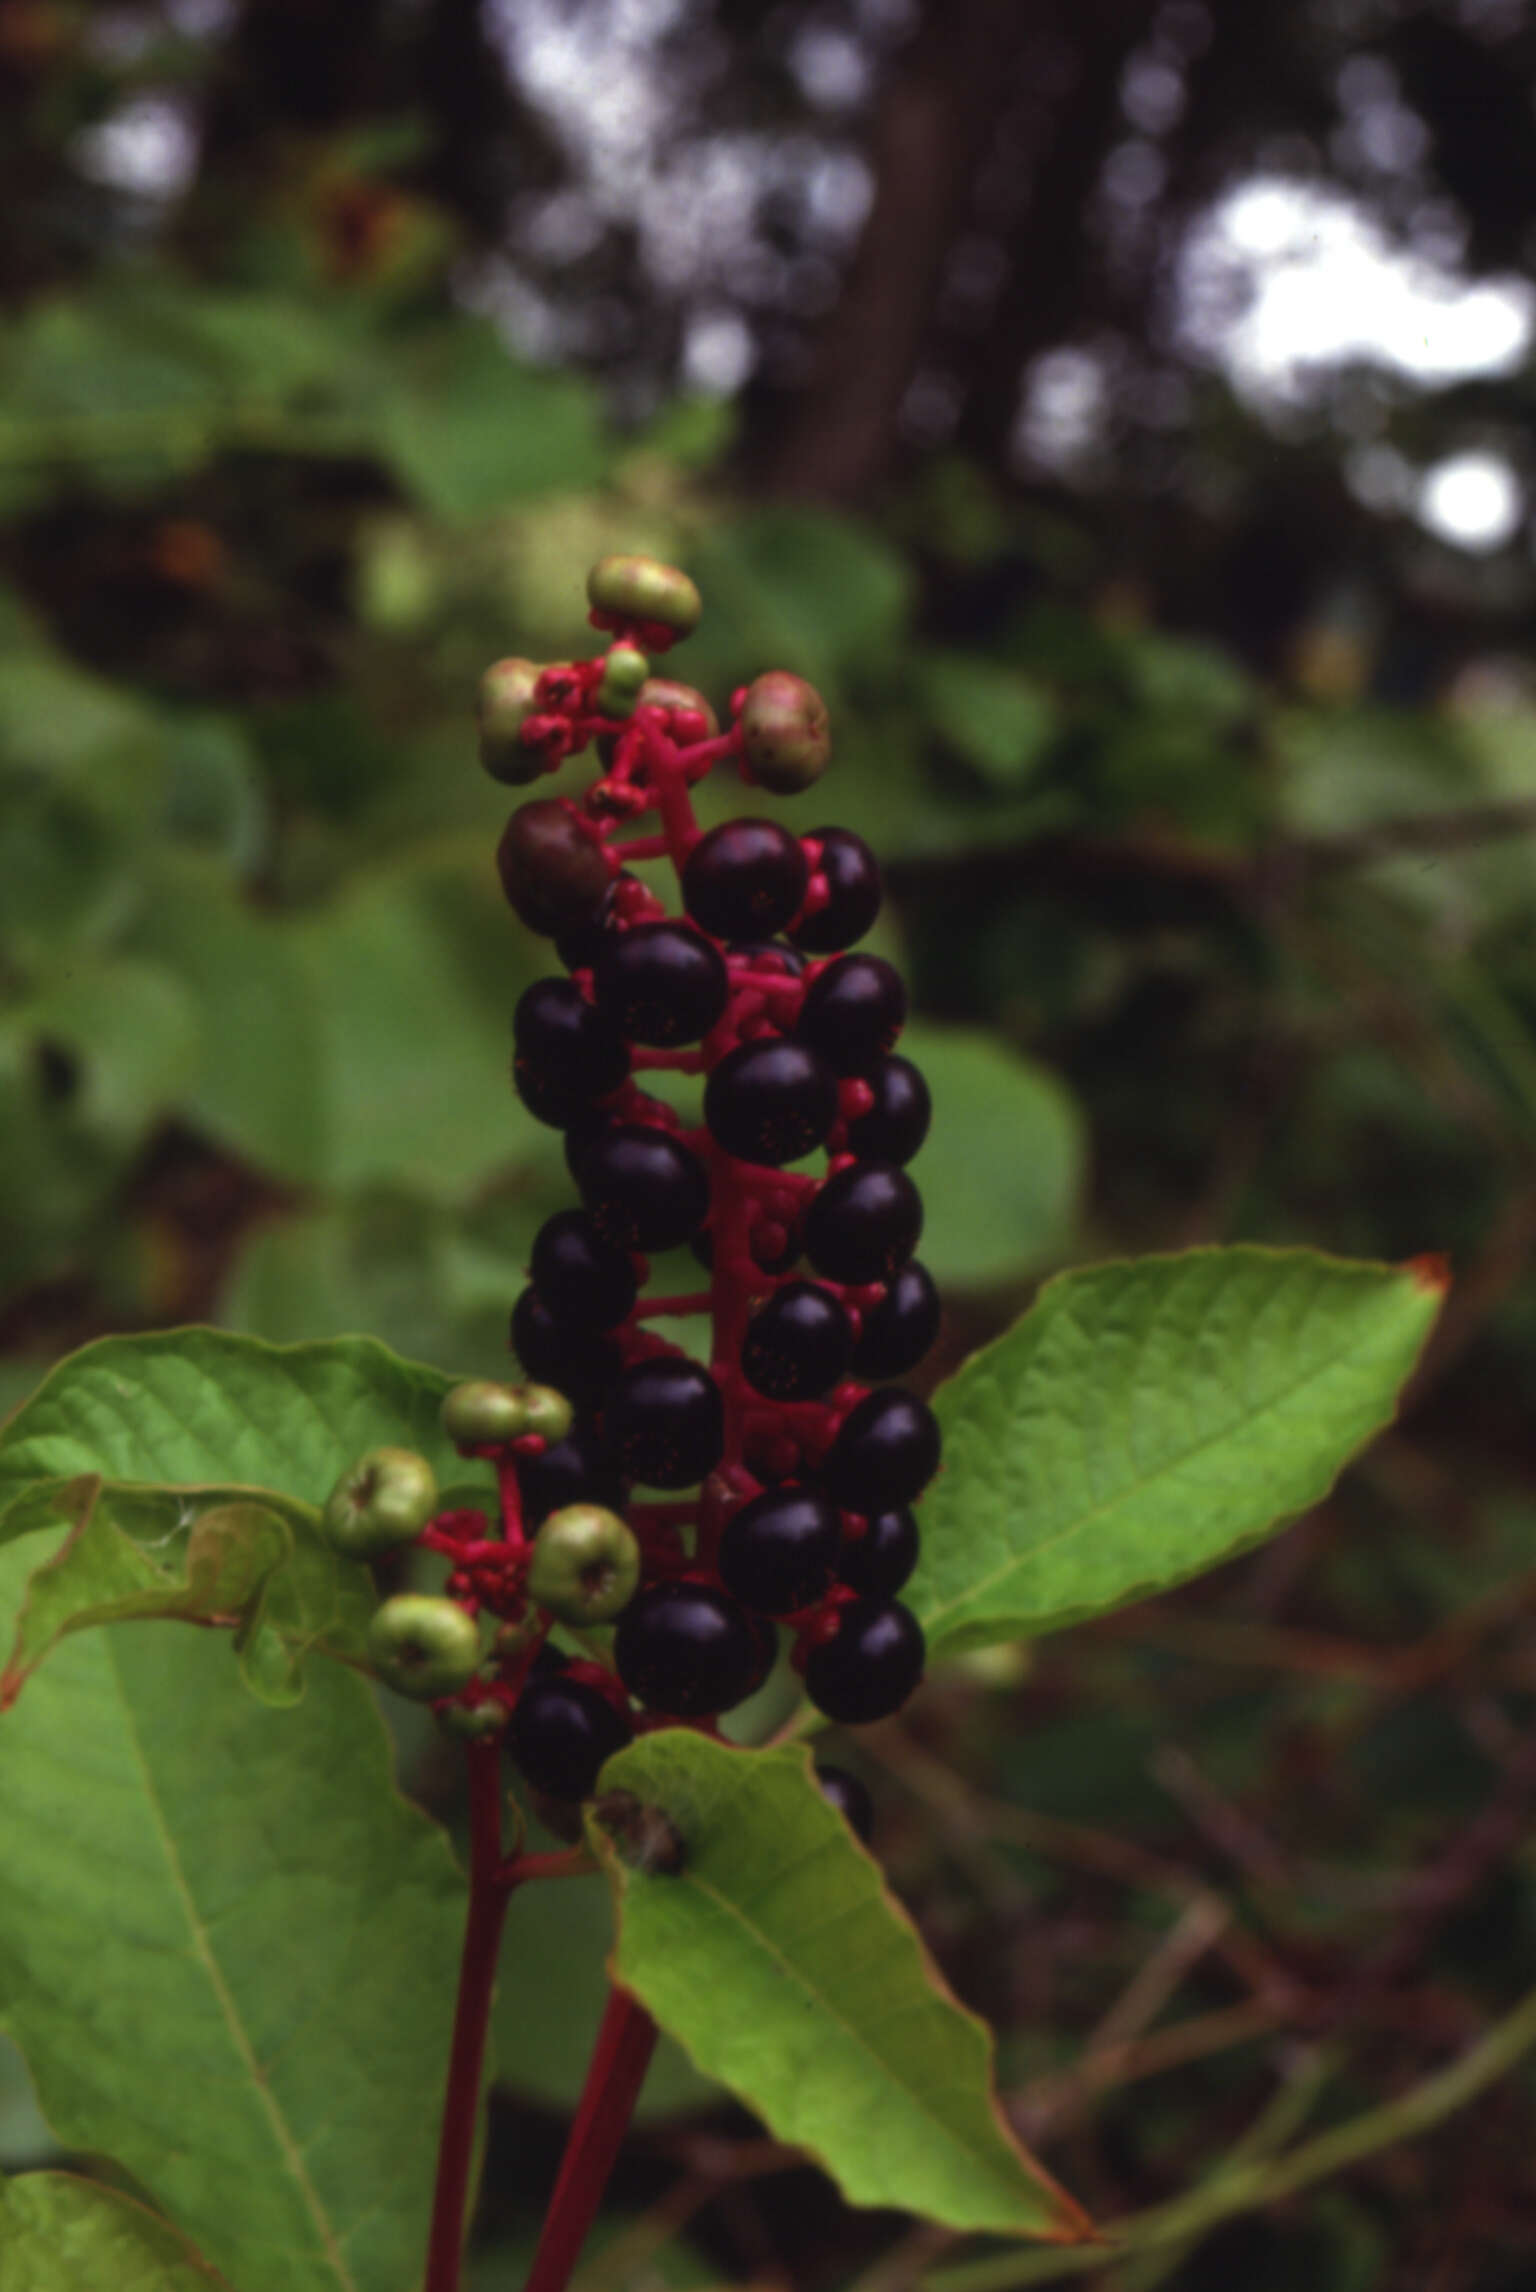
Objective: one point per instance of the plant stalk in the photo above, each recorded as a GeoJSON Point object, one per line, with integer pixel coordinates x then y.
{"type": "Point", "coordinates": [619, 2062]}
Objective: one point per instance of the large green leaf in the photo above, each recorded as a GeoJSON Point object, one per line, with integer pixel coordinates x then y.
{"type": "Point", "coordinates": [217, 1563]}
{"type": "Point", "coordinates": [1145, 1421]}
{"type": "Point", "coordinates": [227, 1949]}
{"type": "Point", "coordinates": [468, 429]}
{"type": "Point", "coordinates": [198, 1408]}
{"type": "Point", "coordinates": [62, 2234]}
{"type": "Point", "coordinates": [1003, 1163]}
{"type": "Point", "coordinates": [777, 1957]}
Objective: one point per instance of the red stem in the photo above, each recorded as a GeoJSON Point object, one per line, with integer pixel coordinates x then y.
{"type": "Point", "coordinates": [489, 1893]}
{"type": "Point", "coordinates": [619, 2062]}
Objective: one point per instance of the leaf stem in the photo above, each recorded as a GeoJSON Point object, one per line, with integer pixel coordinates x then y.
{"type": "Point", "coordinates": [619, 2062]}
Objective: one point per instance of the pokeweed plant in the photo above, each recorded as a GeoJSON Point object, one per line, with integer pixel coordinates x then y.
{"type": "Point", "coordinates": [226, 1940]}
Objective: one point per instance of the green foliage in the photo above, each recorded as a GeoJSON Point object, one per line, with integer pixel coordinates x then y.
{"type": "Point", "coordinates": [842, 2034]}
{"type": "Point", "coordinates": [1147, 1421]}
{"type": "Point", "coordinates": [62, 2234]}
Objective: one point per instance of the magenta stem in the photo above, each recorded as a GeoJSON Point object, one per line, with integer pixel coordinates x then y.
{"type": "Point", "coordinates": [620, 2060]}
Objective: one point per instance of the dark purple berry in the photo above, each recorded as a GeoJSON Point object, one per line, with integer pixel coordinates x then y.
{"type": "Point", "coordinates": [777, 1553]}
{"type": "Point", "coordinates": [572, 1471]}
{"type": "Point", "coordinates": [871, 1667]}
{"type": "Point", "coordinates": [561, 1733]}
{"type": "Point", "coordinates": [660, 983]}
{"type": "Point", "coordinates": [885, 1555]}
{"type": "Point", "coordinates": [746, 877]}
{"type": "Point", "coordinates": [664, 1422]}
{"type": "Point", "coordinates": [643, 1188]}
{"type": "Point", "coordinates": [885, 1453]}
{"type": "Point", "coordinates": [583, 1281]}
{"type": "Point", "coordinates": [798, 1345]}
{"type": "Point", "coordinates": [689, 1650]}
{"type": "Point", "coordinates": [863, 1222]}
{"type": "Point", "coordinates": [899, 1330]}
{"type": "Point", "coordinates": [577, 1362]}
{"type": "Point", "coordinates": [555, 875]}
{"type": "Point", "coordinates": [897, 1123]}
{"type": "Point", "coordinates": [771, 1101]}
{"type": "Point", "coordinates": [853, 1011]}
{"type": "Point", "coordinates": [848, 1795]}
{"type": "Point", "coordinates": [770, 955]}
{"type": "Point", "coordinates": [578, 947]}
{"type": "Point", "coordinates": [565, 1054]}
{"type": "Point", "coordinates": [854, 888]}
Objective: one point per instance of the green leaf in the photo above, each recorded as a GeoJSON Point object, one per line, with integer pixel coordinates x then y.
{"type": "Point", "coordinates": [195, 1408]}
{"type": "Point", "coordinates": [130, 1030]}
{"type": "Point", "coordinates": [780, 1961]}
{"type": "Point", "coordinates": [101, 1574]}
{"type": "Point", "coordinates": [468, 429]}
{"type": "Point", "coordinates": [797, 588]}
{"type": "Point", "coordinates": [999, 720]}
{"type": "Point", "coordinates": [62, 2234]}
{"type": "Point", "coordinates": [1003, 1163]}
{"type": "Point", "coordinates": [1145, 1421]}
{"type": "Point", "coordinates": [257, 1934]}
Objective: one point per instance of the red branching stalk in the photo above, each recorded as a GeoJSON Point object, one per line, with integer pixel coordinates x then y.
{"type": "Point", "coordinates": [617, 2071]}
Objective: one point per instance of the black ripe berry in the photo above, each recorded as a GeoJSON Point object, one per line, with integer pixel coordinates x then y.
{"type": "Point", "coordinates": [854, 890]}
{"type": "Point", "coordinates": [853, 1012]}
{"type": "Point", "coordinates": [899, 1330]}
{"type": "Point", "coordinates": [871, 1667]}
{"type": "Point", "coordinates": [897, 1123]}
{"type": "Point", "coordinates": [561, 1732]}
{"type": "Point", "coordinates": [664, 1423]}
{"type": "Point", "coordinates": [643, 1188]}
{"type": "Point", "coordinates": [778, 1552]}
{"type": "Point", "coordinates": [565, 1054]}
{"type": "Point", "coordinates": [689, 1650]}
{"type": "Point", "coordinates": [577, 1362]}
{"type": "Point", "coordinates": [554, 873]}
{"type": "Point", "coordinates": [863, 1222]}
{"type": "Point", "coordinates": [744, 879]}
{"type": "Point", "coordinates": [798, 1345]}
{"type": "Point", "coordinates": [885, 1453]}
{"type": "Point", "coordinates": [770, 955]}
{"type": "Point", "coordinates": [578, 947]}
{"type": "Point", "coordinates": [583, 1281]}
{"type": "Point", "coordinates": [848, 1795]}
{"type": "Point", "coordinates": [771, 1101]}
{"type": "Point", "coordinates": [573, 1471]}
{"type": "Point", "coordinates": [660, 983]}
{"type": "Point", "coordinates": [885, 1555]}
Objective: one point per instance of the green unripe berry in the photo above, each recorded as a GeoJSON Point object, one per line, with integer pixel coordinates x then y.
{"type": "Point", "coordinates": [424, 1647]}
{"type": "Point", "coordinates": [785, 732]}
{"type": "Point", "coordinates": [383, 1500]}
{"type": "Point", "coordinates": [643, 589]}
{"type": "Point", "coordinates": [553, 873]}
{"type": "Point", "coordinates": [547, 1413]}
{"type": "Point", "coordinates": [480, 1414]}
{"type": "Point", "coordinates": [625, 670]}
{"type": "Point", "coordinates": [505, 704]}
{"type": "Point", "coordinates": [679, 700]}
{"type": "Point", "coordinates": [474, 1722]}
{"type": "Point", "coordinates": [585, 1566]}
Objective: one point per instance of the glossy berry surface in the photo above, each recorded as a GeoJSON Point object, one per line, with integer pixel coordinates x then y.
{"type": "Point", "coordinates": [897, 1123]}
{"type": "Point", "coordinates": [561, 1732]}
{"type": "Point", "coordinates": [777, 1553]}
{"type": "Point", "coordinates": [900, 1329]}
{"type": "Point", "coordinates": [575, 1470]}
{"type": "Point", "coordinates": [642, 1188]}
{"type": "Point", "coordinates": [576, 1362]}
{"type": "Point", "coordinates": [745, 879]}
{"type": "Point", "coordinates": [864, 1223]}
{"type": "Point", "coordinates": [578, 947]}
{"type": "Point", "coordinates": [688, 1650]}
{"type": "Point", "coordinates": [854, 893]}
{"type": "Point", "coordinates": [660, 983]}
{"type": "Point", "coordinates": [848, 1795]}
{"type": "Point", "coordinates": [853, 1011]}
{"type": "Point", "coordinates": [798, 1345]}
{"type": "Point", "coordinates": [771, 1101]}
{"type": "Point", "coordinates": [664, 1422]}
{"type": "Point", "coordinates": [583, 1280]}
{"type": "Point", "coordinates": [554, 874]}
{"type": "Point", "coordinates": [885, 1453]}
{"type": "Point", "coordinates": [565, 1054]}
{"type": "Point", "coordinates": [871, 1667]}
{"type": "Point", "coordinates": [882, 1559]}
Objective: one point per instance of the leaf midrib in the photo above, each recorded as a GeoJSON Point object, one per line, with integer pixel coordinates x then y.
{"type": "Point", "coordinates": [292, 2156]}
{"type": "Point", "coordinates": [979, 1588]}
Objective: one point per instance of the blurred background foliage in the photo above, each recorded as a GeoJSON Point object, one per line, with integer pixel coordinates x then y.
{"type": "Point", "coordinates": [1122, 410]}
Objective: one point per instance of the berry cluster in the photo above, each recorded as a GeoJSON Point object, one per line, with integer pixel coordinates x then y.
{"type": "Point", "coordinates": [803, 1461]}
